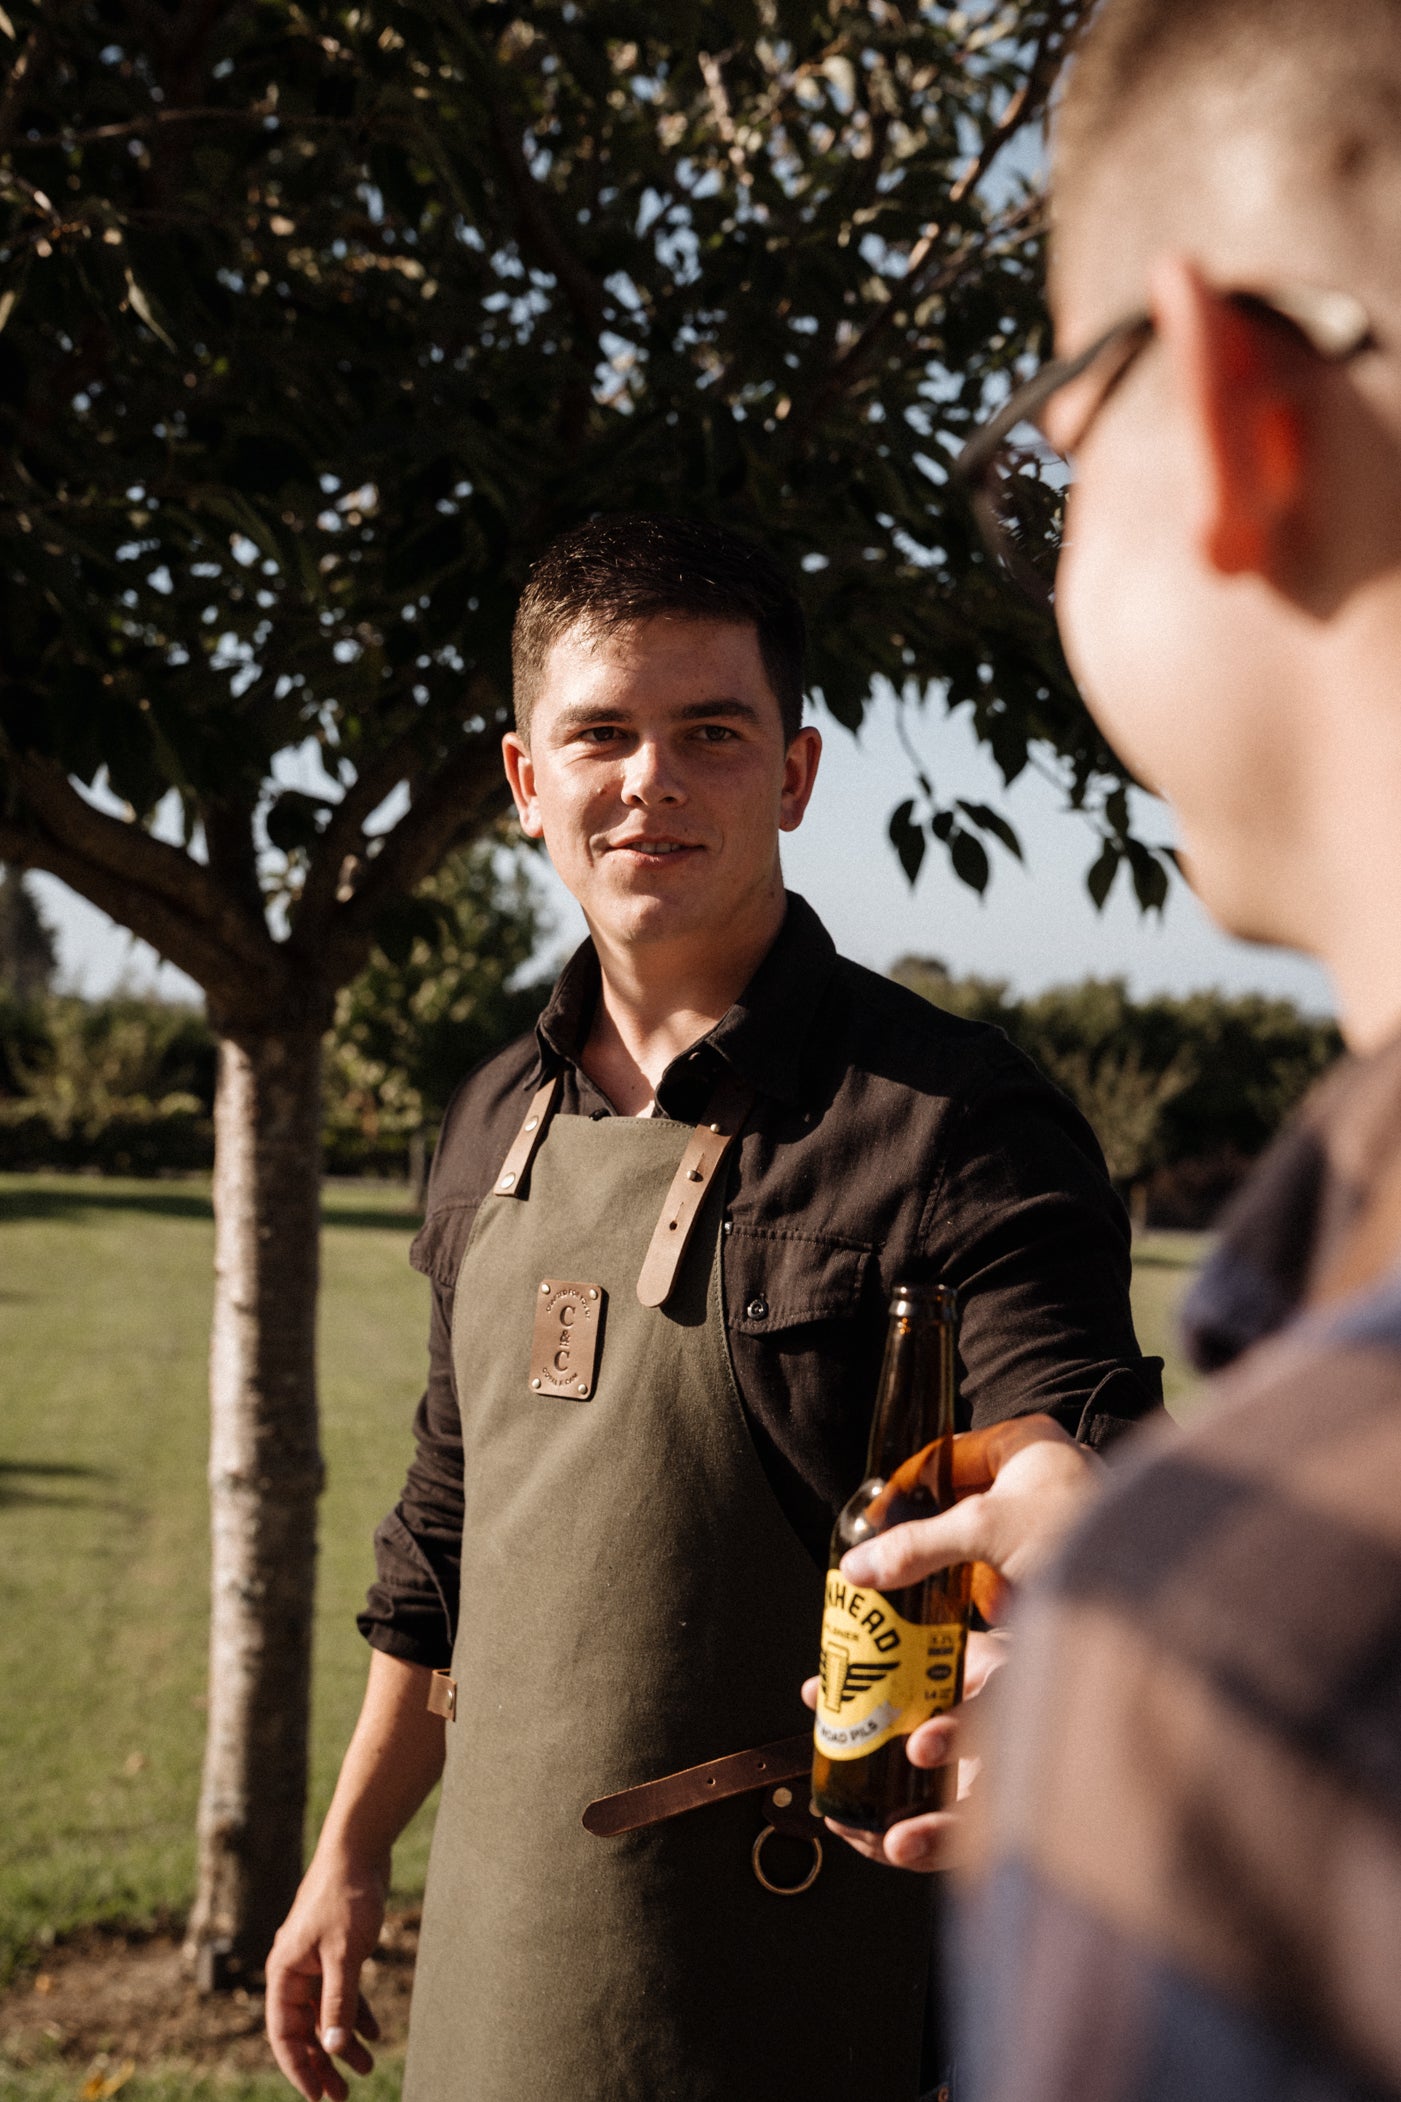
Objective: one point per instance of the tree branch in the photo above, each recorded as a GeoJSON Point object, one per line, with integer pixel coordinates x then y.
{"type": "Point", "coordinates": [119, 853]}
{"type": "Point", "coordinates": [458, 799]}
{"type": "Point", "coordinates": [1025, 106]}
{"type": "Point", "coordinates": [587, 299]}
{"type": "Point", "coordinates": [177, 937]}
{"type": "Point", "coordinates": [345, 829]}
{"type": "Point", "coordinates": [36, 49]}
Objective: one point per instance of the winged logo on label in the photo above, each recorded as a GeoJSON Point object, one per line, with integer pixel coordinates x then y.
{"type": "Point", "coordinates": [845, 1679]}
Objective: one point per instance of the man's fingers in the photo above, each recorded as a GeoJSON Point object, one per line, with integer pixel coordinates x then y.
{"type": "Point", "coordinates": [923, 1843]}
{"type": "Point", "coordinates": [909, 1552]}
{"type": "Point", "coordinates": [365, 2022]}
{"type": "Point", "coordinates": [867, 1843]}
{"type": "Point", "coordinates": [810, 1687]}
{"type": "Point", "coordinates": [920, 1843]}
{"type": "Point", "coordinates": [293, 1998]}
{"type": "Point", "coordinates": [932, 1744]}
{"type": "Point", "coordinates": [340, 2010]}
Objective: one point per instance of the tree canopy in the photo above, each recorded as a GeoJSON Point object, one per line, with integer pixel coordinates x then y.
{"type": "Point", "coordinates": [319, 321]}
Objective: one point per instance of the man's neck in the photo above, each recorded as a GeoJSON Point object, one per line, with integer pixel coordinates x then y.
{"type": "Point", "coordinates": [655, 1002]}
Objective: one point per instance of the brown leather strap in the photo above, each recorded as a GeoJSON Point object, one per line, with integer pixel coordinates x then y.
{"type": "Point", "coordinates": [710, 1142]}
{"type": "Point", "coordinates": [737, 1775]}
{"type": "Point", "coordinates": [516, 1165]}
{"type": "Point", "coordinates": [442, 1696]}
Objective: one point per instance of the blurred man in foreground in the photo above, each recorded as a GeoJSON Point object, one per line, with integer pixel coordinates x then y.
{"type": "Point", "coordinates": [1190, 1882]}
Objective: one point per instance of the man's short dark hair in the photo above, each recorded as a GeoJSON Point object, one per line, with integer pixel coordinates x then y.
{"type": "Point", "coordinates": [1324, 74]}
{"type": "Point", "coordinates": [616, 570]}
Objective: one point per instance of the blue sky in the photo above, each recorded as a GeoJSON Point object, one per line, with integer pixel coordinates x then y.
{"type": "Point", "coordinates": [1036, 926]}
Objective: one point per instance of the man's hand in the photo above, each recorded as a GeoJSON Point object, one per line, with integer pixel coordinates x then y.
{"type": "Point", "coordinates": [315, 2009]}
{"type": "Point", "coordinates": [1021, 1486]}
{"type": "Point", "coordinates": [932, 1841]}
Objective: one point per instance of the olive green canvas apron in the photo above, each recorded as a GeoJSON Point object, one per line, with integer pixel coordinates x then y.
{"type": "Point", "coordinates": [633, 1602]}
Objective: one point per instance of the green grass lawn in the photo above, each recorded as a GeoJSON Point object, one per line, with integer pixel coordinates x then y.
{"type": "Point", "coordinates": [1164, 1264]}
{"type": "Point", "coordinates": [104, 1309]}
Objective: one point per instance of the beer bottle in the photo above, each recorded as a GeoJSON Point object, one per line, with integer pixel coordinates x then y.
{"type": "Point", "coordinates": [890, 1661]}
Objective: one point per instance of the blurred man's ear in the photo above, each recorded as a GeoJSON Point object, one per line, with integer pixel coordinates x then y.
{"type": "Point", "coordinates": [520, 772]}
{"type": "Point", "coordinates": [1238, 385]}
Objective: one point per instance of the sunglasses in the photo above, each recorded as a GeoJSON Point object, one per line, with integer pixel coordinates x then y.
{"type": "Point", "coordinates": [1017, 479]}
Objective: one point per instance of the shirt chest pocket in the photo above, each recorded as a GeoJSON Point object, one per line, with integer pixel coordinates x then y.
{"type": "Point", "coordinates": [777, 1282]}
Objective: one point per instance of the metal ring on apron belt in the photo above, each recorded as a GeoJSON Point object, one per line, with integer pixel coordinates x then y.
{"type": "Point", "coordinates": [787, 1890]}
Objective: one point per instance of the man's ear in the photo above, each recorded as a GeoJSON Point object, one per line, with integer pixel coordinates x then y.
{"type": "Point", "coordinates": [520, 772]}
{"type": "Point", "coordinates": [1237, 383]}
{"type": "Point", "coordinates": [799, 777]}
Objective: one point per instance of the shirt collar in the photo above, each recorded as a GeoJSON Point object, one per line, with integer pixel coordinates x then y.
{"type": "Point", "coordinates": [763, 1037]}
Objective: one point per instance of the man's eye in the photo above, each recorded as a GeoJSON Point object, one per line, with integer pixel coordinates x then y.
{"type": "Point", "coordinates": [716, 733]}
{"type": "Point", "coordinates": [600, 733]}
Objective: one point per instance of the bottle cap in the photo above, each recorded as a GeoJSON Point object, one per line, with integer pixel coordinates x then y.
{"type": "Point", "coordinates": [929, 1300]}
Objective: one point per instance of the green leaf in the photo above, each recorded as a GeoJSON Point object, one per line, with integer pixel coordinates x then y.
{"type": "Point", "coordinates": [141, 307]}
{"type": "Point", "coordinates": [908, 840]}
{"type": "Point", "coordinates": [1150, 878]}
{"type": "Point", "coordinates": [970, 861]}
{"type": "Point", "coordinates": [992, 821]}
{"type": "Point", "coordinates": [1100, 880]}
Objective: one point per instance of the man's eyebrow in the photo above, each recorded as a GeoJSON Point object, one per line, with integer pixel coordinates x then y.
{"type": "Point", "coordinates": [590, 715]}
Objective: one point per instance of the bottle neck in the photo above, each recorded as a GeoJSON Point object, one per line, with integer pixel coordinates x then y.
{"type": "Point", "coordinates": [915, 1399]}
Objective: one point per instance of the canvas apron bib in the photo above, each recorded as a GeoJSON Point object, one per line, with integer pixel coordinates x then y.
{"type": "Point", "coordinates": [633, 1602]}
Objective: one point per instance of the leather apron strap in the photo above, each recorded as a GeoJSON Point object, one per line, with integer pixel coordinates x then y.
{"type": "Point", "coordinates": [700, 1163]}
{"type": "Point", "coordinates": [711, 1140]}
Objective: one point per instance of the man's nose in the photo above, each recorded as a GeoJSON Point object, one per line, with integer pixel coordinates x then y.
{"type": "Point", "coordinates": [650, 778]}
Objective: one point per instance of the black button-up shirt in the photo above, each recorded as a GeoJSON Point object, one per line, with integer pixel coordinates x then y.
{"type": "Point", "coordinates": [888, 1141]}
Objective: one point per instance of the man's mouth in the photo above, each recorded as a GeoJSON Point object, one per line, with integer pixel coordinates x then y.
{"type": "Point", "coordinates": [653, 849]}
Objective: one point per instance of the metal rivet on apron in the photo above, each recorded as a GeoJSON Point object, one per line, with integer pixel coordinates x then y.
{"type": "Point", "coordinates": [593, 1291]}
{"type": "Point", "coordinates": [695, 1175]}
{"type": "Point", "coordinates": [532, 1123]}
{"type": "Point", "coordinates": [583, 1390]}
{"type": "Point", "coordinates": [782, 1797]}
{"type": "Point", "coordinates": [505, 1182]}
{"type": "Point", "coordinates": [757, 1309]}
{"type": "Point", "coordinates": [536, 1384]}
{"type": "Point", "coordinates": [545, 1288]}
{"type": "Point", "coordinates": [715, 1127]}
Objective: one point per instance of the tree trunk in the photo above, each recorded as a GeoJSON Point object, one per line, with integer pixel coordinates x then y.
{"type": "Point", "coordinates": [265, 1476]}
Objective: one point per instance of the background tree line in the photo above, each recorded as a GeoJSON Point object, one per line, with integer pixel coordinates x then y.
{"type": "Point", "coordinates": [1183, 1092]}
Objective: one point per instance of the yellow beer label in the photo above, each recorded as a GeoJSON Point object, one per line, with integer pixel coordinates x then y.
{"type": "Point", "coordinates": [881, 1675]}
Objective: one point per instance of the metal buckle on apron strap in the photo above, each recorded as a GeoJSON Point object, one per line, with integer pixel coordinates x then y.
{"type": "Point", "coordinates": [442, 1696]}
{"type": "Point", "coordinates": [769, 1767]}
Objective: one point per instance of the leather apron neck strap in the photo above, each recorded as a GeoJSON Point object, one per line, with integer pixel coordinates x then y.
{"type": "Point", "coordinates": [725, 1113]}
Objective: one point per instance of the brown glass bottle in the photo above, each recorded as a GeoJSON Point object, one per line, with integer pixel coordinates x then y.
{"type": "Point", "coordinates": [891, 1660]}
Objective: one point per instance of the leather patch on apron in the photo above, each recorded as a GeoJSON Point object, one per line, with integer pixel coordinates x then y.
{"type": "Point", "coordinates": [564, 1346]}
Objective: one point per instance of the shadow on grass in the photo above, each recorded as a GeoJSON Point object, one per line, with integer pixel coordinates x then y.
{"type": "Point", "coordinates": [50, 1202]}
{"type": "Point", "coordinates": [17, 1475]}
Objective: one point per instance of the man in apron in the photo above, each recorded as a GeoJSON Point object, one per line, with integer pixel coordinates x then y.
{"type": "Point", "coordinates": [661, 1232]}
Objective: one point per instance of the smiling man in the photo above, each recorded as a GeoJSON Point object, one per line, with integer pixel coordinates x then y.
{"type": "Point", "coordinates": [661, 1234]}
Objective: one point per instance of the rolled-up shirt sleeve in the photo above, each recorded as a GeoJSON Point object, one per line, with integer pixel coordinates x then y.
{"type": "Point", "coordinates": [1024, 1221]}
{"type": "Point", "coordinates": [411, 1609]}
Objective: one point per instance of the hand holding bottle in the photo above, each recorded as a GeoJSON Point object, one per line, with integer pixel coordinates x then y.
{"type": "Point", "coordinates": [1021, 1485]}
